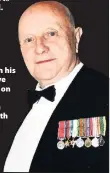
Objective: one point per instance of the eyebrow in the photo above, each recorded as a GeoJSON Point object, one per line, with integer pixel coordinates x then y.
{"type": "Point", "coordinates": [57, 23]}
{"type": "Point", "coordinates": [50, 28]}
{"type": "Point", "coordinates": [61, 27]}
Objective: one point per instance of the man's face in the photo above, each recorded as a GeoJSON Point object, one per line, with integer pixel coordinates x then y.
{"type": "Point", "coordinates": [47, 44]}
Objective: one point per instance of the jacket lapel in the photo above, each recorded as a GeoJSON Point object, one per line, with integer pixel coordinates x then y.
{"type": "Point", "coordinates": [63, 111]}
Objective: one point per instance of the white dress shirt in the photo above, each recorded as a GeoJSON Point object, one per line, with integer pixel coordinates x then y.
{"type": "Point", "coordinates": [29, 134]}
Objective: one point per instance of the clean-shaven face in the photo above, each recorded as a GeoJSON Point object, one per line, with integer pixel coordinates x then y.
{"type": "Point", "coordinates": [47, 44]}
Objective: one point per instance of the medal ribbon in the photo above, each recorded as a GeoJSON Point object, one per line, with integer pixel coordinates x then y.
{"type": "Point", "coordinates": [84, 129]}
{"type": "Point", "coordinates": [87, 127]}
{"type": "Point", "coordinates": [71, 128]}
{"type": "Point", "coordinates": [91, 128]}
{"type": "Point", "coordinates": [61, 130]}
{"type": "Point", "coordinates": [102, 125]}
{"type": "Point", "coordinates": [75, 128]}
{"type": "Point", "coordinates": [94, 127]}
{"type": "Point", "coordinates": [104, 119]}
{"type": "Point", "coordinates": [80, 127]}
{"type": "Point", "coordinates": [68, 131]}
{"type": "Point", "coordinates": [98, 126]}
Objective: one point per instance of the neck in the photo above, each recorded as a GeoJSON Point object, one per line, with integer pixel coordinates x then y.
{"type": "Point", "coordinates": [45, 83]}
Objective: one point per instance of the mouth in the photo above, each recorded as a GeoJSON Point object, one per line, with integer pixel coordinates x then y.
{"type": "Point", "coordinates": [44, 61]}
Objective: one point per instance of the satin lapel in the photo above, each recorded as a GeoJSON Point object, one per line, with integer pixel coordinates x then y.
{"type": "Point", "coordinates": [64, 110]}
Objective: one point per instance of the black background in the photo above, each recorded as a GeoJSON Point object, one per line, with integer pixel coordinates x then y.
{"type": "Point", "coordinates": [91, 15]}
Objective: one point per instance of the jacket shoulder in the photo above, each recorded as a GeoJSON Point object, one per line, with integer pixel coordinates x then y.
{"type": "Point", "coordinates": [95, 81]}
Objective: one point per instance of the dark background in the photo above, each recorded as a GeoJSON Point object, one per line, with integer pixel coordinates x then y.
{"type": "Point", "coordinates": [91, 15]}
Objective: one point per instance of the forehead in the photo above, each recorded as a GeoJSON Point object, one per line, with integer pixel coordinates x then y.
{"type": "Point", "coordinates": [40, 19]}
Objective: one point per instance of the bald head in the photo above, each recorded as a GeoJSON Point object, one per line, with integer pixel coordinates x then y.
{"type": "Point", "coordinates": [53, 6]}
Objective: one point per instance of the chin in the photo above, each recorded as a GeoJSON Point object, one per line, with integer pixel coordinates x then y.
{"type": "Point", "coordinates": [43, 76]}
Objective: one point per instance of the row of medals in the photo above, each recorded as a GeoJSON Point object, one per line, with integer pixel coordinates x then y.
{"type": "Point", "coordinates": [80, 142]}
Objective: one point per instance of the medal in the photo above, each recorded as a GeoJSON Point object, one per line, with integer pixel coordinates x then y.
{"type": "Point", "coordinates": [73, 143]}
{"type": "Point", "coordinates": [67, 143]}
{"type": "Point", "coordinates": [79, 142]}
{"type": "Point", "coordinates": [69, 128]}
{"type": "Point", "coordinates": [74, 132]}
{"type": "Point", "coordinates": [60, 145]}
{"type": "Point", "coordinates": [82, 128]}
{"type": "Point", "coordinates": [61, 135]}
{"type": "Point", "coordinates": [61, 130]}
{"type": "Point", "coordinates": [88, 142]}
{"type": "Point", "coordinates": [95, 142]}
{"type": "Point", "coordinates": [75, 128]}
{"type": "Point", "coordinates": [101, 141]}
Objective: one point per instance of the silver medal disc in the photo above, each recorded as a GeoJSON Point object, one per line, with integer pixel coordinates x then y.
{"type": "Point", "coordinates": [60, 145]}
{"type": "Point", "coordinates": [95, 142]}
{"type": "Point", "coordinates": [79, 142]}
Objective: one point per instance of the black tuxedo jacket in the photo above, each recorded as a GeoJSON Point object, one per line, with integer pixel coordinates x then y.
{"type": "Point", "coordinates": [87, 96]}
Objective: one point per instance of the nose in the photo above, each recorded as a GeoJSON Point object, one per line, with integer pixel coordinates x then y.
{"type": "Point", "coordinates": [40, 46]}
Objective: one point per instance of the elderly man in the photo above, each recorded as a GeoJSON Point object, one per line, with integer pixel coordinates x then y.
{"type": "Point", "coordinates": [66, 128]}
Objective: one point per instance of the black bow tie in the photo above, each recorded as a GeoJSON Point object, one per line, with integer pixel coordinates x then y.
{"type": "Point", "coordinates": [48, 93]}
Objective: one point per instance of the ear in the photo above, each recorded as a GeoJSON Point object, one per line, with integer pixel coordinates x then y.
{"type": "Point", "coordinates": [78, 33]}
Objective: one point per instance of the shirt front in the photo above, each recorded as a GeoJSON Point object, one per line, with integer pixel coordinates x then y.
{"type": "Point", "coordinates": [29, 134]}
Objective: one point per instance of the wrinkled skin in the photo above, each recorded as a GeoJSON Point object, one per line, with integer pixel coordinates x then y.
{"type": "Point", "coordinates": [45, 33]}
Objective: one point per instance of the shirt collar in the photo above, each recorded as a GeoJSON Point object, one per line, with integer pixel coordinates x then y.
{"type": "Point", "coordinates": [64, 82]}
